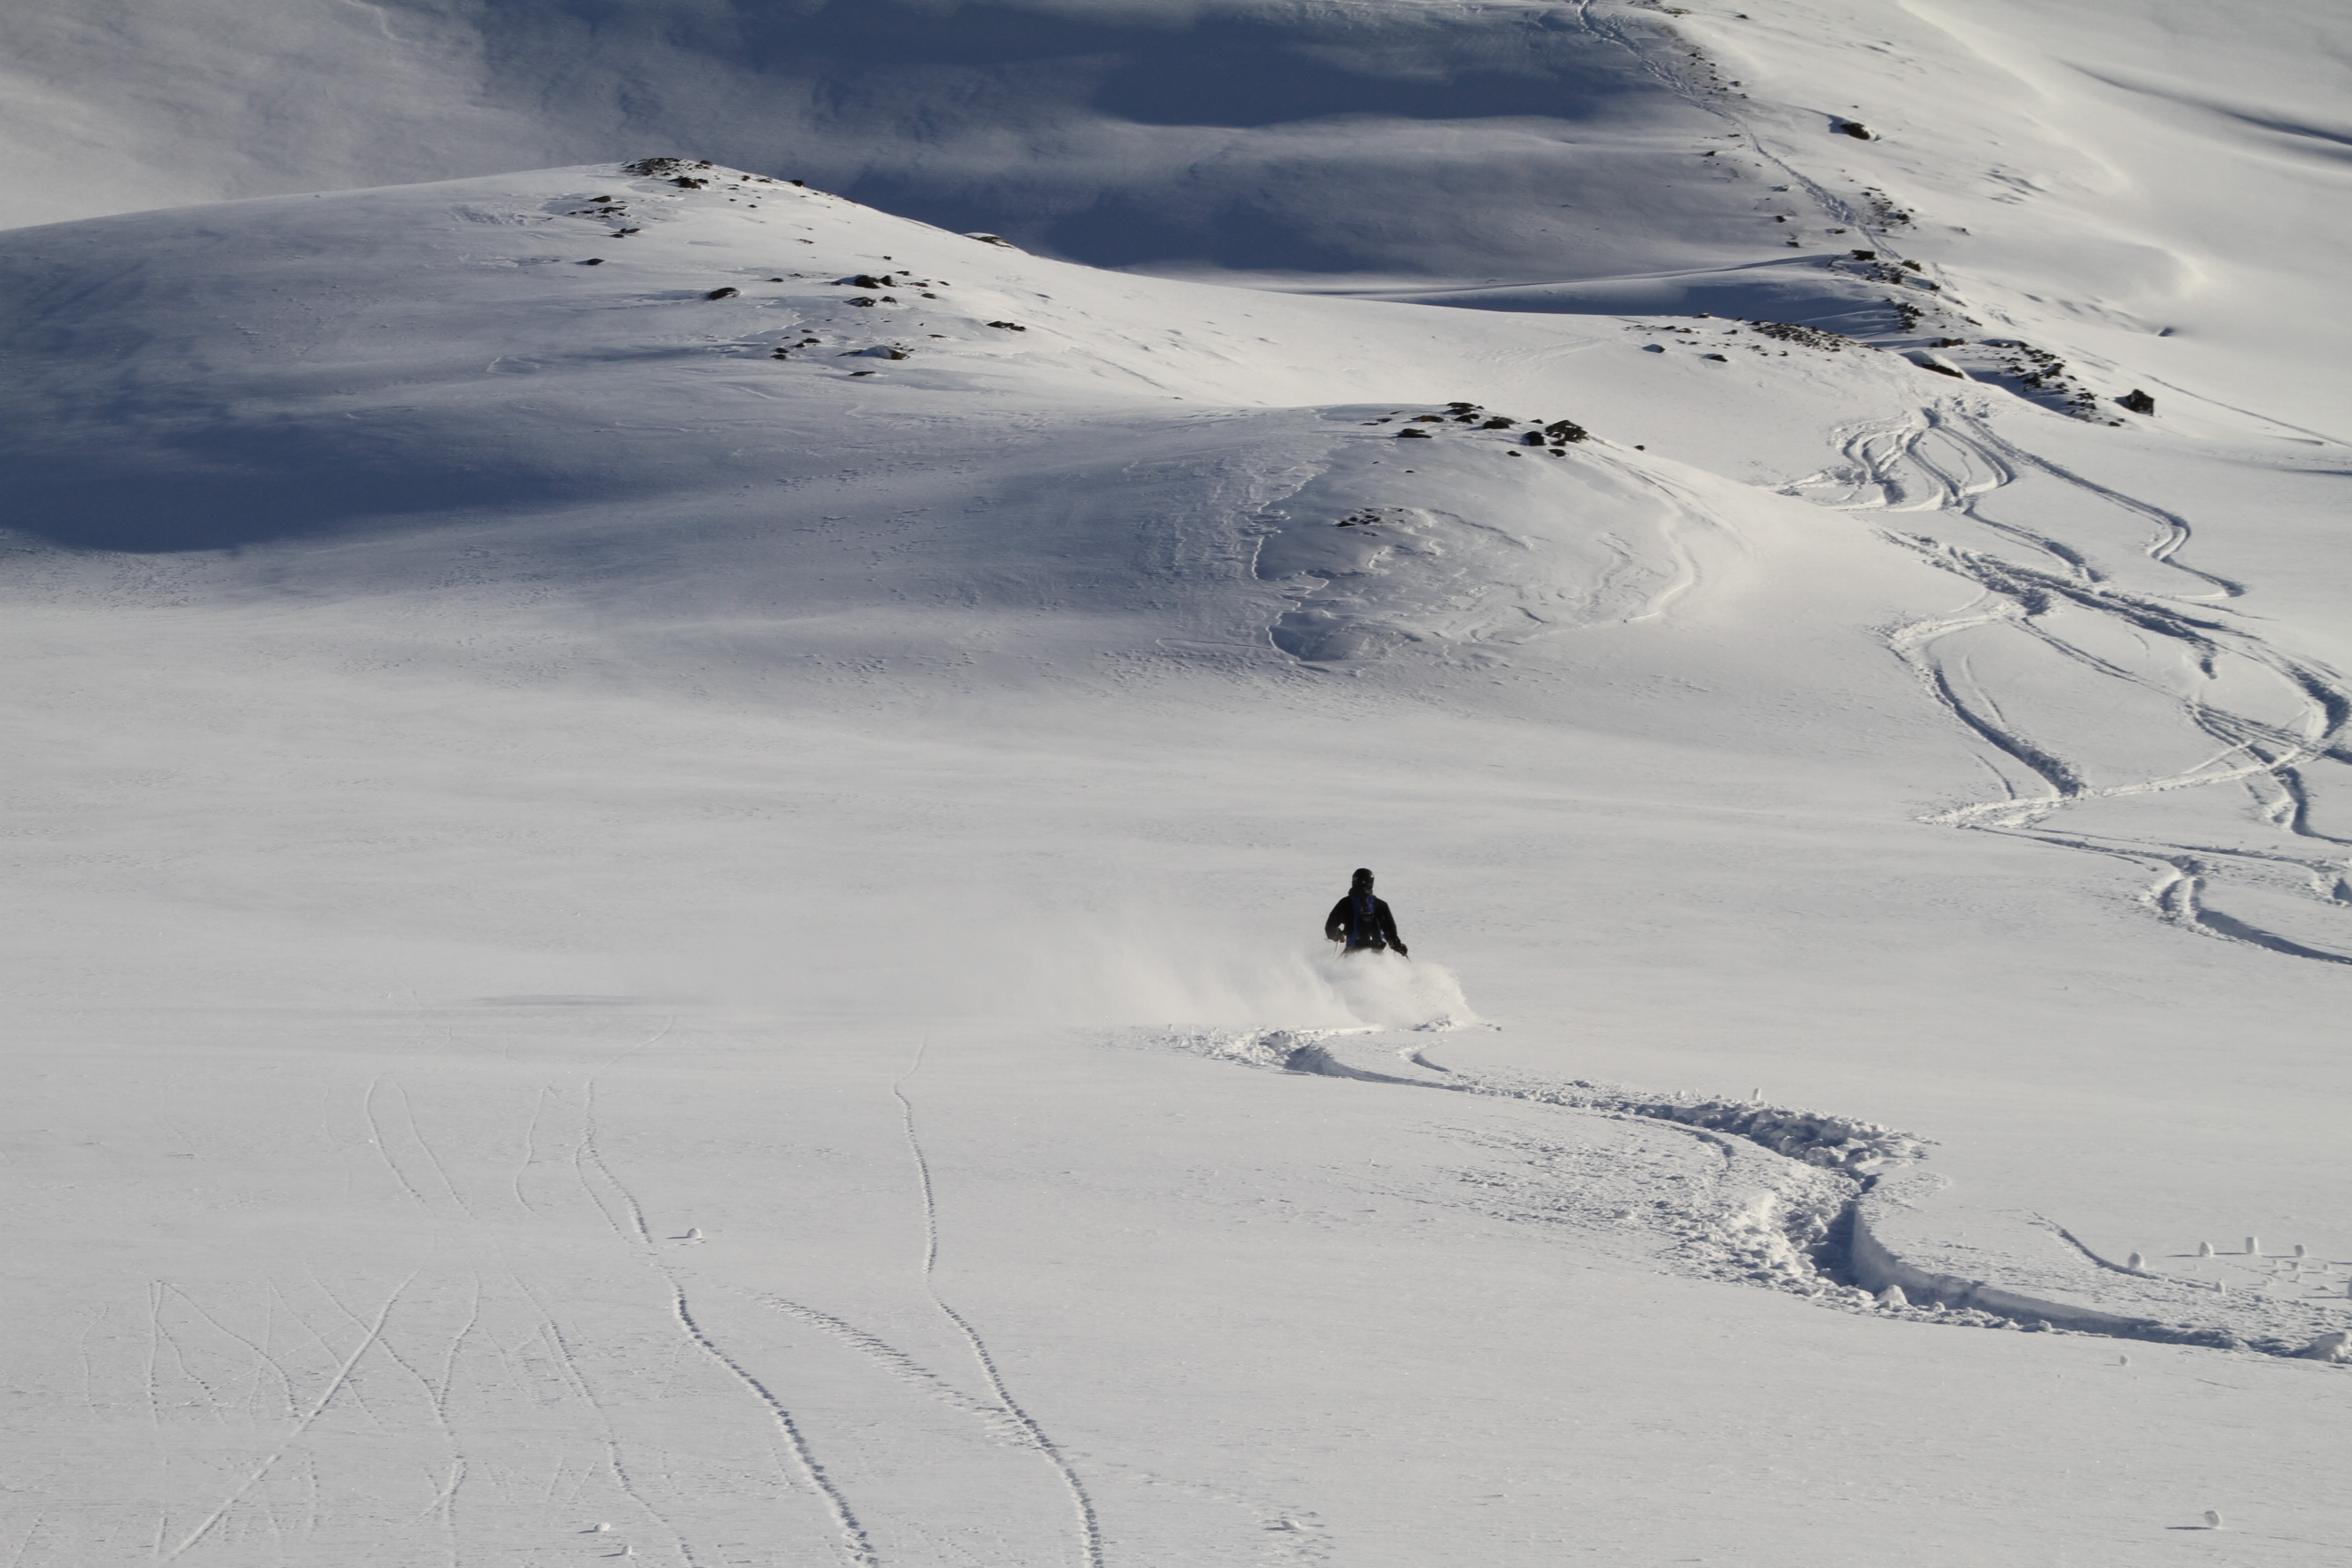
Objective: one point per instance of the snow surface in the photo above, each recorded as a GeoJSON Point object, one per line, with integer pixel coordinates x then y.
{"type": "Point", "coordinates": [677, 926]}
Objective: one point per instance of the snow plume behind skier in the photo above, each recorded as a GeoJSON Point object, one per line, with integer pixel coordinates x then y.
{"type": "Point", "coordinates": [1183, 954]}
{"type": "Point", "coordinates": [1361, 923]}
{"type": "Point", "coordinates": [1421, 996]}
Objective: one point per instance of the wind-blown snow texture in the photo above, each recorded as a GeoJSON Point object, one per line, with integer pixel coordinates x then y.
{"type": "Point", "coordinates": [671, 817]}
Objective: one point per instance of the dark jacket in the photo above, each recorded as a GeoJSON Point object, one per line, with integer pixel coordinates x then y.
{"type": "Point", "coordinates": [1358, 928]}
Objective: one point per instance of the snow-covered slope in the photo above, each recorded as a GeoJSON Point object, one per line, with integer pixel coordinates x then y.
{"type": "Point", "coordinates": [673, 829]}
{"type": "Point", "coordinates": [2147, 190]}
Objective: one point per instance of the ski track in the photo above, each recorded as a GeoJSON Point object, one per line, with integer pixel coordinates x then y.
{"type": "Point", "coordinates": [1089, 1525]}
{"type": "Point", "coordinates": [858, 1548]}
{"type": "Point", "coordinates": [427, 1340]}
{"type": "Point", "coordinates": [373, 1336]}
{"type": "Point", "coordinates": [1806, 1231]}
{"type": "Point", "coordinates": [850, 1533]}
{"type": "Point", "coordinates": [1944, 461]}
{"type": "Point", "coordinates": [1899, 462]}
{"type": "Point", "coordinates": [301, 1367]}
{"type": "Point", "coordinates": [1003, 1424]}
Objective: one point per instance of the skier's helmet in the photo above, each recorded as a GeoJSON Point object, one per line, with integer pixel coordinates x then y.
{"type": "Point", "coordinates": [1362, 879]}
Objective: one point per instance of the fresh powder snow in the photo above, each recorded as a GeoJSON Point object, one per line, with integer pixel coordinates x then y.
{"type": "Point", "coordinates": [684, 686]}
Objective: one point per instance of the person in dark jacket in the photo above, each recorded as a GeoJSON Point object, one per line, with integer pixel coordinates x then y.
{"type": "Point", "coordinates": [1361, 923]}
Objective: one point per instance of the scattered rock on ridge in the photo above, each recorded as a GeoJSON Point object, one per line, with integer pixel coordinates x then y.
{"type": "Point", "coordinates": [2137, 402]}
{"type": "Point", "coordinates": [1809, 336]}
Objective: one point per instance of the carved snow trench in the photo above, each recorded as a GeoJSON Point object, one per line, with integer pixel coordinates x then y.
{"type": "Point", "coordinates": [2205, 661]}
{"type": "Point", "coordinates": [1823, 1209]}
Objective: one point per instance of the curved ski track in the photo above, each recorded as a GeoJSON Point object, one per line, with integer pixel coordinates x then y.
{"type": "Point", "coordinates": [1942, 464]}
{"type": "Point", "coordinates": [1089, 1525]}
{"type": "Point", "coordinates": [1900, 461]}
{"type": "Point", "coordinates": [1811, 1230]}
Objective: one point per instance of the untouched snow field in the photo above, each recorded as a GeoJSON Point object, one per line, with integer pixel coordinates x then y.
{"type": "Point", "coordinates": [669, 826]}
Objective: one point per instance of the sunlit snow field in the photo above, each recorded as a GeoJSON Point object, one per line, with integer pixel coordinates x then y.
{"type": "Point", "coordinates": [669, 827]}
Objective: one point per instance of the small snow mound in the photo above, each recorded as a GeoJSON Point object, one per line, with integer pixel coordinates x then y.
{"type": "Point", "coordinates": [2335, 1348]}
{"type": "Point", "coordinates": [1265, 1047]}
{"type": "Point", "coordinates": [1833, 1142]}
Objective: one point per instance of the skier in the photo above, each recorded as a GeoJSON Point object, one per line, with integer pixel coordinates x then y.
{"type": "Point", "coordinates": [1361, 923]}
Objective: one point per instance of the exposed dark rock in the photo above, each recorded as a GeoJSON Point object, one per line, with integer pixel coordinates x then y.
{"type": "Point", "coordinates": [1853, 128]}
{"type": "Point", "coordinates": [1566, 430]}
{"type": "Point", "coordinates": [1009, 326]}
{"type": "Point", "coordinates": [1865, 254]}
{"type": "Point", "coordinates": [1810, 337]}
{"type": "Point", "coordinates": [1409, 435]}
{"type": "Point", "coordinates": [593, 261]}
{"type": "Point", "coordinates": [1883, 210]}
{"type": "Point", "coordinates": [723, 293]}
{"type": "Point", "coordinates": [1532, 438]}
{"type": "Point", "coordinates": [861, 299]}
{"type": "Point", "coordinates": [1498, 422]}
{"type": "Point", "coordinates": [2137, 402]}
{"type": "Point", "coordinates": [993, 239]}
